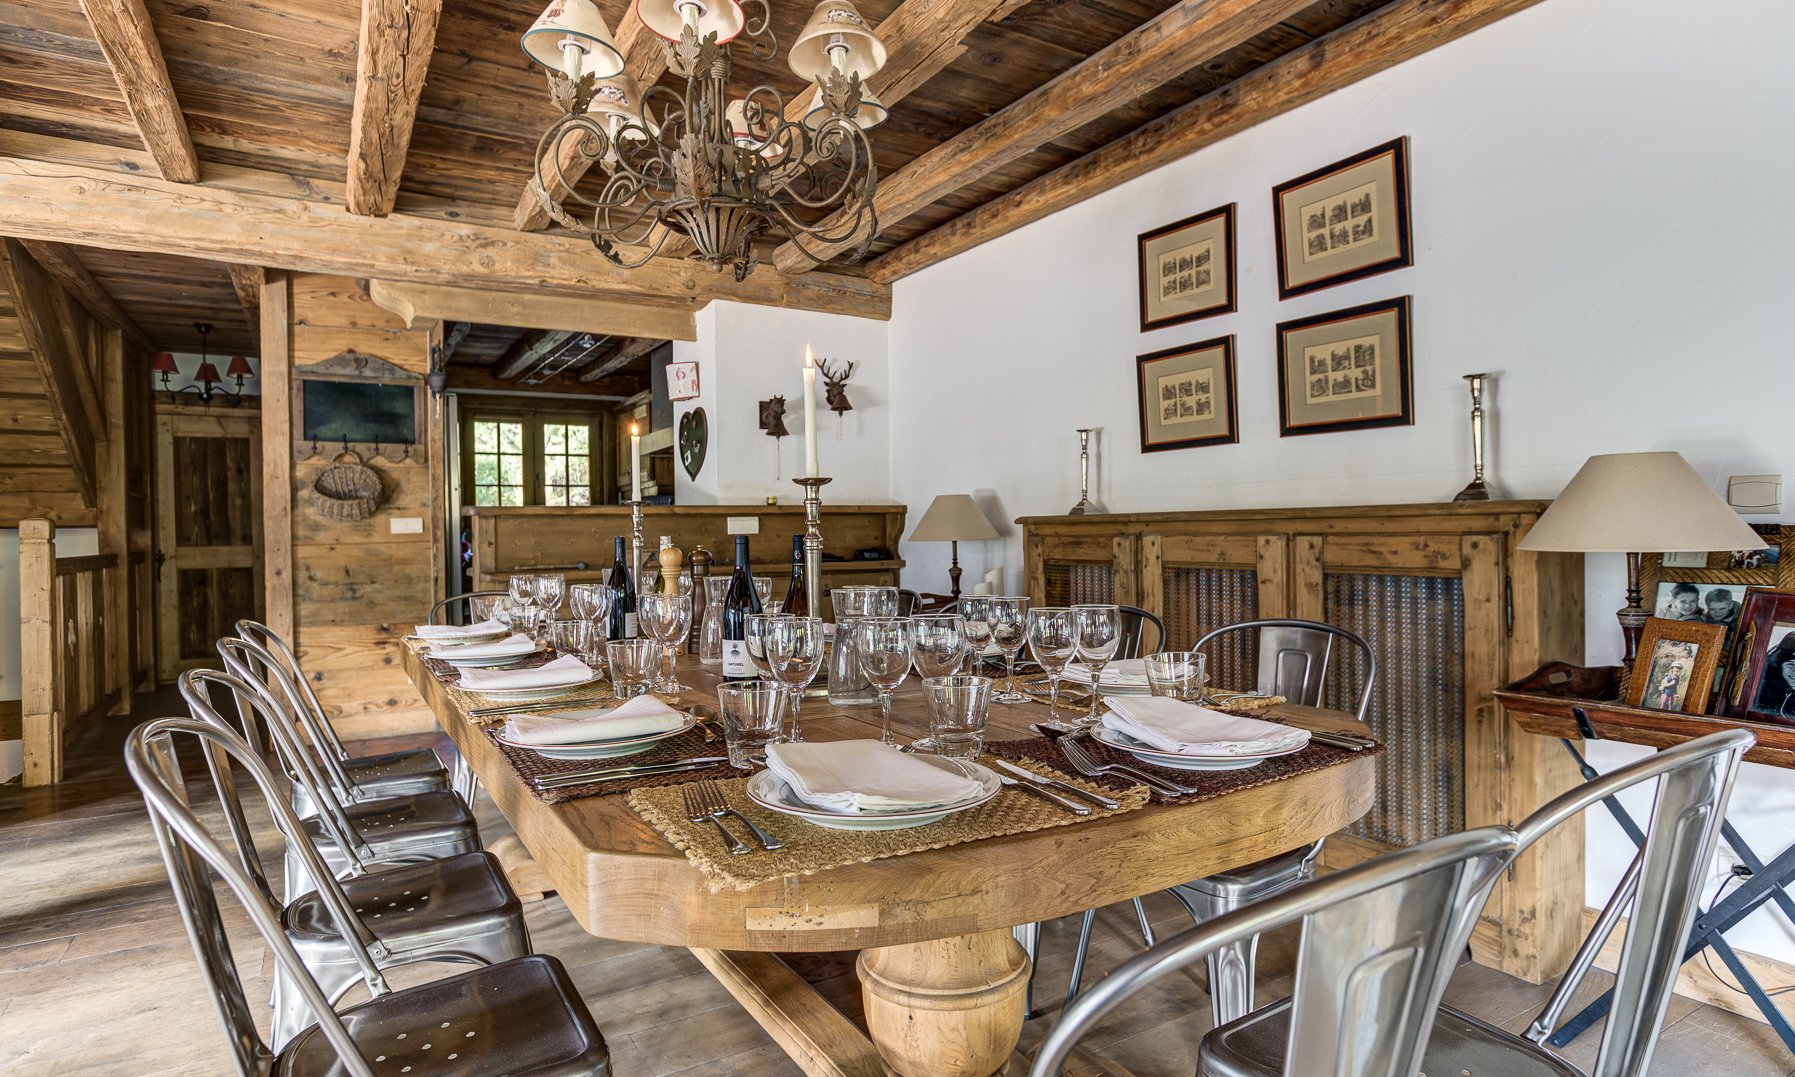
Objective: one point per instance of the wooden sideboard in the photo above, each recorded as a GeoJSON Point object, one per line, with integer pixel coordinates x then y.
{"type": "Point", "coordinates": [1452, 610]}
{"type": "Point", "coordinates": [535, 537]}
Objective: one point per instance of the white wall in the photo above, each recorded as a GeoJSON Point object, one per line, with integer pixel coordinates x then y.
{"type": "Point", "coordinates": [70, 542]}
{"type": "Point", "coordinates": [1596, 218]}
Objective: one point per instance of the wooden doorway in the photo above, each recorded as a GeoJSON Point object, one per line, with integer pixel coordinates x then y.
{"type": "Point", "coordinates": [208, 531]}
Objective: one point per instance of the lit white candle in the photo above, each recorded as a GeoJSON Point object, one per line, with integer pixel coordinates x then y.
{"type": "Point", "coordinates": [810, 467]}
{"type": "Point", "coordinates": [635, 464]}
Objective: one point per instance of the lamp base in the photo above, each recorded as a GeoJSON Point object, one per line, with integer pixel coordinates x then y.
{"type": "Point", "coordinates": [1633, 615]}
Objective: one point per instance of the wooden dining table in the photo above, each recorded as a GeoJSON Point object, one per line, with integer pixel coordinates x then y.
{"type": "Point", "coordinates": [942, 978]}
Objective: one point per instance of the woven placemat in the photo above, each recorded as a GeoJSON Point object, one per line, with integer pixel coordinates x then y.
{"type": "Point", "coordinates": [810, 849]}
{"type": "Point", "coordinates": [688, 745]}
{"type": "Point", "coordinates": [1208, 784]}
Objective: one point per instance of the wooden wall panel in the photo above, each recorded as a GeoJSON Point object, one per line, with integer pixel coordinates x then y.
{"type": "Point", "coordinates": [37, 476]}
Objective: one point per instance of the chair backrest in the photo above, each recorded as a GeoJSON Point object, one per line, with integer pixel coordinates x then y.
{"type": "Point", "coordinates": [277, 674]}
{"type": "Point", "coordinates": [1379, 943]}
{"type": "Point", "coordinates": [306, 701]}
{"type": "Point", "coordinates": [1134, 632]}
{"type": "Point", "coordinates": [189, 850]}
{"type": "Point", "coordinates": [439, 613]}
{"type": "Point", "coordinates": [908, 600]}
{"type": "Point", "coordinates": [1295, 655]}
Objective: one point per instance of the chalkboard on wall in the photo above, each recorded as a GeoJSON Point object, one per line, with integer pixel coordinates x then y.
{"type": "Point", "coordinates": [360, 412]}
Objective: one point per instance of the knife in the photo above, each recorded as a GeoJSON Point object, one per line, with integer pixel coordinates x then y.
{"type": "Point", "coordinates": [613, 773]}
{"type": "Point", "coordinates": [1072, 806]}
{"type": "Point", "coordinates": [526, 708]}
{"type": "Point", "coordinates": [1031, 776]}
{"type": "Point", "coordinates": [1352, 742]}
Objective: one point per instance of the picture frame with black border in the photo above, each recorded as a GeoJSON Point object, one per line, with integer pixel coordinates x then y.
{"type": "Point", "coordinates": [1186, 269]}
{"type": "Point", "coordinates": [1349, 369]}
{"type": "Point", "coordinates": [1188, 396]}
{"type": "Point", "coordinates": [1345, 221]}
{"type": "Point", "coordinates": [1759, 688]}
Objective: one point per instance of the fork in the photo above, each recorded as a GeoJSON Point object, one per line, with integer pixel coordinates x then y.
{"type": "Point", "coordinates": [697, 812]}
{"type": "Point", "coordinates": [1083, 763]}
{"type": "Point", "coordinates": [710, 798]}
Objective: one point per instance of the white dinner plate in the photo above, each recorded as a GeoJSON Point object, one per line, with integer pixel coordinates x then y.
{"type": "Point", "coordinates": [601, 749]}
{"type": "Point", "coordinates": [518, 695]}
{"type": "Point", "coordinates": [488, 661]}
{"type": "Point", "coordinates": [456, 641]}
{"type": "Point", "coordinates": [1179, 761]}
{"type": "Point", "coordinates": [771, 792]}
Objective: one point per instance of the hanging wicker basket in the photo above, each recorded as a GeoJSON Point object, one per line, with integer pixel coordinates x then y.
{"type": "Point", "coordinates": [347, 490]}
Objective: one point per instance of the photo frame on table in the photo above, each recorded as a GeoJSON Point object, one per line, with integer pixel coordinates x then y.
{"type": "Point", "coordinates": [1187, 396]}
{"type": "Point", "coordinates": [1676, 665]}
{"type": "Point", "coordinates": [1187, 269]}
{"type": "Point", "coordinates": [1711, 586]}
{"type": "Point", "coordinates": [1344, 222]}
{"type": "Point", "coordinates": [1346, 370]}
{"type": "Point", "coordinates": [1762, 685]}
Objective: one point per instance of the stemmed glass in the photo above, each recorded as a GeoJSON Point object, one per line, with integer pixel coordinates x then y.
{"type": "Point", "coordinates": [1099, 634]}
{"type": "Point", "coordinates": [1052, 641]}
{"type": "Point", "coordinates": [794, 647]}
{"type": "Point", "coordinates": [667, 618]}
{"type": "Point", "coordinates": [550, 587]}
{"type": "Point", "coordinates": [1009, 630]}
{"type": "Point", "coordinates": [592, 601]}
{"type": "Point", "coordinates": [754, 641]}
{"type": "Point", "coordinates": [523, 591]}
{"type": "Point", "coordinates": [938, 643]}
{"type": "Point", "coordinates": [976, 612]}
{"type": "Point", "coordinates": [882, 645]}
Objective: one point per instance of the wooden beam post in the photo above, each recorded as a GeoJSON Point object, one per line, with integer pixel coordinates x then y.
{"type": "Point", "coordinates": [246, 281]}
{"type": "Point", "coordinates": [115, 497]}
{"type": "Point", "coordinates": [128, 39]}
{"type": "Point", "coordinates": [45, 312]}
{"type": "Point", "coordinates": [38, 663]}
{"type": "Point", "coordinates": [60, 261]}
{"type": "Point", "coordinates": [397, 37]}
{"type": "Point", "coordinates": [277, 455]}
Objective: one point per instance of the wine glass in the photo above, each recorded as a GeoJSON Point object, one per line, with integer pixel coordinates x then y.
{"type": "Point", "coordinates": [592, 601]}
{"type": "Point", "coordinates": [667, 618]}
{"type": "Point", "coordinates": [1099, 634]}
{"type": "Point", "coordinates": [523, 590]}
{"type": "Point", "coordinates": [490, 608]}
{"type": "Point", "coordinates": [1009, 630]}
{"type": "Point", "coordinates": [763, 589]}
{"type": "Point", "coordinates": [550, 587]}
{"type": "Point", "coordinates": [1052, 641]}
{"type": "Point", "coordinates": [976, 611]}
{"type": "Point", "coordinates": [882, 645]}
{"type": "Point", "coordinates": [938, 643]}
{"type": "Point", "coordinates": [794, 655]}
{"type": "Point", "coordinates": [754, 641]}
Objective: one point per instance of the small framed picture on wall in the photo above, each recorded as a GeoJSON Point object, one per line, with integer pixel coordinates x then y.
{"type": "Point", "coordinates": [682, 381]}
{"type": "Point", "coordinates": [1187, 396]}
{"type": "Point", "coordinates": [1344, 222]}
{"type": "Point", "coordinates": [1187, 269]}
{"type": "Point", "coordinates": [1345, 370]}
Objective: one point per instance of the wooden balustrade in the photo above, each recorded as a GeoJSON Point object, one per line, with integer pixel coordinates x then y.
{"type": "Point", "coordinates": [71, 670]}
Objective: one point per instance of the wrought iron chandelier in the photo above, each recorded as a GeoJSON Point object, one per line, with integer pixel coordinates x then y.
{"type": "Point", "coordinates": [703, 169]}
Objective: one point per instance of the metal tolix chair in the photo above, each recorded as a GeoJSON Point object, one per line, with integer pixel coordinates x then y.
{"type": "Point", "coordinates": [395, 830]}
{"type": "Point", "coordinates": [521, 1016]}
{"type": "Point", "coordinates": [439, 613]}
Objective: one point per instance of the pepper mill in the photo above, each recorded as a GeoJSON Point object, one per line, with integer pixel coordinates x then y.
{"type": "Point", "coordinates": [701, 570]}
{"type": "Point", "coordinates": [670, 558]}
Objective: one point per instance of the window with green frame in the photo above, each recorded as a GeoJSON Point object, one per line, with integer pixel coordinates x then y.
{"type": "Point", "coordinates": [529, 457]}
{"type": "Point", "coordinates": [567, 463]}
{"type": "Point", "coordinates": [498, 458]}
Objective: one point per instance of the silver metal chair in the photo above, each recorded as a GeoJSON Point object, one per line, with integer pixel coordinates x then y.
{"type": "Point", "coordinates": [1694, 780]}
{"type": "Point", "coordinates": [1295, 655]}
{"type": "Point", "coordinates": [1134, 632]}
{"type": "Point", "coordinates": [1379, 942]}
{"type": "Point", "coordinates": [458, 908]}
{"type": "Point", "coordinates": [521, 1016]}
{"type": "Point", "coordinates": [439, 613]}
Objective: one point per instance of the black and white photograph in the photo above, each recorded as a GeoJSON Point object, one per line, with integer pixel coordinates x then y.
{"type": "Point", "coordinates": [1366, 352]}
{"type": "Point", "coordinates": [1775, 696]}
{"type": "Point", "coordinates": [1710, 603]}
{"type": "Point", "coordinates": [1187, 396]}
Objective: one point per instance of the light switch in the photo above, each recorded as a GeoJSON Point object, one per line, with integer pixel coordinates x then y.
{"type": "Point", "coordinates": [1755, 493]}
{"type": "Point", "coordinates": [408, 525]}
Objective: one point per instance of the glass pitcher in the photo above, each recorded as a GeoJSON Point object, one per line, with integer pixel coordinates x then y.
{"type": "Point", "coordinates": [848, 686]}
{"type": "Point", "coordinates": [710, 631]}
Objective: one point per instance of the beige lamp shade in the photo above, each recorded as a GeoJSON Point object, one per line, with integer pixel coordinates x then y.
{"type": "Point", "coordinates": [570, 36]}
{"type": "Point", "coordinates": [871, 113]}
{"type": "Point", "coordinates": [835, 24]}
{"type": "Point", "coordinates": [953, 518]}
{"type": "Point", "coordinates": [1639, 502]}
{"type": "Point", "coordinates": [749, 135]}
{"type": "Point", "coordinates": [619, 96]}
{"type": "Point", "coordinates": [665, 17]}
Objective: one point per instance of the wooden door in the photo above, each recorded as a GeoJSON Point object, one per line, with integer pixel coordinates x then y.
{"type": "Point", "coordinates": [208, 532]}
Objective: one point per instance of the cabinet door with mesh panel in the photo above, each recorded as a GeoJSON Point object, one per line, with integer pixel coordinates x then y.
{"type": "Point", "coordinates": [1067, 570]}
{"type": "Point", "coordinates": [1198, 583]}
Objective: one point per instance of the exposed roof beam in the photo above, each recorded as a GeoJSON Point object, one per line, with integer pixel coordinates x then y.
{"type": "Point", "coordinates": [627, 352]}
{"type": "Point", "coordinates": [1184, 36]}
{"type": "Point", "coordinates": [128, 39]}
{"type": "Point", "coordinates": [46, 316]}
{"type": "Point", "coordinates": [397, 37]}
{"type": "Point", "coordinates": [247, 281]}
{"type": "Point", "coordinates": [531, 349]}
{"type": "Point", "coordinates": [672, 319]}
{"type": "Point", "coordinates": [61, 262]}
{"type": "Point", "coordinates": [1388, 36]}
{"type": "Point", "coordinates": [472, 377]}
{"type": "Point", "coordinates": [456, 334]}
{"type": "Point", "coordinates": [93, 207]}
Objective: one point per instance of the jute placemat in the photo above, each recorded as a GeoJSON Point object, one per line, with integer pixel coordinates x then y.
{"type": "Point", "coordinates": [1208, 784]}
{"type": "Point", "coordinates": [688, 745]}
{"type": "Point", "coordinates": [810, 849]}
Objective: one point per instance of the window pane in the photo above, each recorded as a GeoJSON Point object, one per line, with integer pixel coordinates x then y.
{"type": "Point", "coordinates": [554, 438]}
{"type": "Point", "coordinates": [511, 470]}
{"type": "Point", "coordinates": [486, 437]}
{"type": "Point", "coordinates": [579, 495]}
{"type": "Point", "coordinates": [579, 470]}
{"type": "Point", "coordinates": [486, 495]}
{"type": "Point", "coordinates": [511, 437]}
{"type": "Point", "coordinates": [554, 470]}
{"type": "Point", "coordinates": [513, 495]}
{"type": "Point", "coordinates": [554, 495]}
{"type": "Point", "coordinates": [486, 469]}
{"type": "Point", "coordinates": [579, 439]}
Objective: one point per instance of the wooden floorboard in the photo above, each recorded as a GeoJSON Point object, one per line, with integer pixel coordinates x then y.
{"type": "Point", "coordinates": [96, 976]}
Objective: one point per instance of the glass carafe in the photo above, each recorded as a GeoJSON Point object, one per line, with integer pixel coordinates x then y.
{"type": "Point", "coordinates": [710, 633]}
{"type": "Point", "coordinates": [848, 686]}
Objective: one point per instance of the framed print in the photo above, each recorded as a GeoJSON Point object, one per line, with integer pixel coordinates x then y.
{"type": "Point", "coordinates": [1345, 370]}
{"type": "Point", "coordinates": [1187, 269]}
{"type": "Point", "coordinates": [1675, 667]}
{"type": "Point", "coordinates": [1762, 685]}
{"type": "Point", "coordinates": [682, 381]}
{"type": "Point", "coordinates": [1187, 396]}
{"type": "Point", "coordinates": [1344, 222]}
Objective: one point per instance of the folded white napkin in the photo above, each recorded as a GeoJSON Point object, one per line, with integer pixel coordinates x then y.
{"type": "Point", "coordinates": [1186, 729]}
{"type": "Point", "coordinates": [455, 632]}
{"type": "Point", "coordinates": [499, 648]}
{"type": "Point", "coordinates": [864, 776]}
{"type": "Point", "coordinates": [642, 716]}
{"type": "Point", "coordinates": [566, 670]}
{"type": "Point", "coordinates": [1122, 673]}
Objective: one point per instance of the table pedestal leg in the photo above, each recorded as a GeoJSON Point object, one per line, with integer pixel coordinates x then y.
{"type": "Point", "coordinates": [947, 1007]}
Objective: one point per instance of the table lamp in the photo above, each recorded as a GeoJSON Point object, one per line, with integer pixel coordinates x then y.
{"type": "Point", "coordinates": [954, 518]}
{"type": "Point", "coordinates": [1633, 503]}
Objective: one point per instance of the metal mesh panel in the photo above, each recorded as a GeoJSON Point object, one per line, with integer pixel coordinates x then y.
{"type": "Point", "coordinates": [1072, 582]}
{"type": "Point", "coordinates": [1198, 600]}
{"type": "Point", "coordinates": [1416, 626]}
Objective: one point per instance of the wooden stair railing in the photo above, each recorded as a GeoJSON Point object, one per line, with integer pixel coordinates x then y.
{"type": "Point", "coordinates": [69, 674]}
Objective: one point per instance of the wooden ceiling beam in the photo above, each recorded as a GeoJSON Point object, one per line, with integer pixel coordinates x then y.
{"type": "Point", "coordinates": [1388, 36]}
{"type": "Point", "coordinates": [1184, 36]}
{"type": "Point", "coordinates": [672, 320]}
{"type": "Point", "coordinates": [46, 317]}
{"type": "Point", "coordinates": [60, 261]}
{"type": "Point", "coordinates": [128, 39]}
{"type": "Point", "coordinates": [94, 207]}
{"type": "Point", "coordinates": [529, 352]}
{"type": "Point", "coordinates": [247, 282]}
{"type": "Point", "coordinates": [625, 353]}
{"type": "Point", "coordinates": [456, 334]}
{"type": "Point", "coordinates": [471, 377]}
{"type": "Point", "coordinates": [397, 37]}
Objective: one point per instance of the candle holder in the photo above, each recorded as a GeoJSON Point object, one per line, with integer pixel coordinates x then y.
{"type": "Point", "coordinates": [1085, 506]}
{"type": "Point", "coordinates": [1478, 490]}
{"type": "Point", "coordinates": [636, 543]}
{"type": "Point", "coordinates": [813, 541]}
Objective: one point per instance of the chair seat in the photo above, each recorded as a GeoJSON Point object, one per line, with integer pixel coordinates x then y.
{"type": "Point", "coordinates": [414, 907]}
{"type": "Point", "coordinates": [397, 826]}
{"type": "Point", "coordinates": [1254, 1047]}
{"type": "Point", "coordinates": [390, 774]}
{"type": "Point", "coordinates": [521, 1017]}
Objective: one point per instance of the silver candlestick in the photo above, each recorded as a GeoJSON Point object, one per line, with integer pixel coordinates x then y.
{"type": "Point", "coordinates": [1478, 490]}
{"type": "Point", "coordinates": [813, 541]}
{"type": "Point", "coordinates": [1085, 506]}
{"type": "Point", "coordinates": [636, 543]}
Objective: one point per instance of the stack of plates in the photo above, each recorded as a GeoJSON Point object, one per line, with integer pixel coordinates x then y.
{"type": "Point", "coordinates": [605, 748]}
{"type": "Point", "coordinates": [516, 685]}
{"type": "Point", "coordinates": [1124, 678]}
{"type": "Point", "coordinates": [1184, 736]}
{"type": "Point", "coordinates": [770, 791]}
{"type": "Point", "coordinates": [503, 651]}
{"type": "Point", "coordinates": [1187, 760]}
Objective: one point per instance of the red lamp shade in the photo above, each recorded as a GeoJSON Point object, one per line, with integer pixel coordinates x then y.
{"type": "Point", "coordinates": [164, 364]}
{"type": "Point", "coordinates": [239, 367]}
{"type": "Point", "coordinates": [208, 374]}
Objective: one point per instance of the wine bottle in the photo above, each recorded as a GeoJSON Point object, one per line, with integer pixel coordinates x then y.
{"type": "Point", "coordinates": [623, 611]}
{"type": "Point", "coordinates": [741, 601]}
{"type": "Point", "coordinates": [797, 596]}
{"type": "Point", "coordinates": [650, 573]}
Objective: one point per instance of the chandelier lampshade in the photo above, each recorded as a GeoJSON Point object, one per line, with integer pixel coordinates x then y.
{"type": "Point", "coordinates": [836, 38]}
{"type": "Point", "coordinates": [671, 18]}
{"type": "Point", "coordinates": [753, 135]}
{"type": "Point", "coordinates": [239, 367]}
{"type": "Point", "coordinates": [571, 37]}
{"type": "Point", "coordinates": [871, 113]}
{"type": "Point", "coordinates": [164, 364]}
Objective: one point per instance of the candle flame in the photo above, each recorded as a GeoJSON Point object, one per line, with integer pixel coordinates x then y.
{"type": "Point", "coordinates": [632, 430]}
{"type": "Point", "coordinates": [808, 361]}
